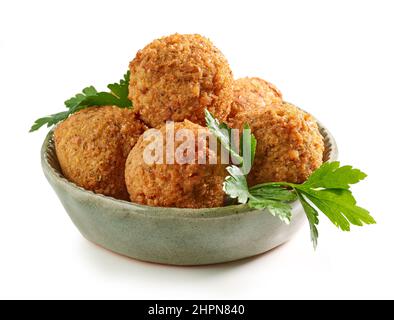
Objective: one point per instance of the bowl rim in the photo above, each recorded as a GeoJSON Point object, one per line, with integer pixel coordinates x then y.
{"type": "Point", "coordinates": [215, 212]}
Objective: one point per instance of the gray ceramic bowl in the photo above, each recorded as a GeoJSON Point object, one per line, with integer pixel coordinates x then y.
{"type": "Point", "coordinates": [171, 235]}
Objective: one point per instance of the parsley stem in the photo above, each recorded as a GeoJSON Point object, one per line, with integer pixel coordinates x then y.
{"type": "Point", "coordinates": [275, 184]}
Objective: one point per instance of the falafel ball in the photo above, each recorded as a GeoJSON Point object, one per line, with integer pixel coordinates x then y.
{"type": "Point", "coordinates": [92, 146]}
{"type": "Point", "coordinates": [289, 144]}
{"type": "Point", "coordinates": [177, 77]}
{"type": "Point", "coordinates": [252, 93]}
{"type": "Point", "coordinates": [187, 184]}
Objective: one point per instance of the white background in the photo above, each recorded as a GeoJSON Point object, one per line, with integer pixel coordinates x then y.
{"type": "Point", "coordinates": [332, 58]}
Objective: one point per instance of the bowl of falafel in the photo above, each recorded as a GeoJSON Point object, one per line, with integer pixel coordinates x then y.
{"type": "Point", "coordinates": [138, 179]}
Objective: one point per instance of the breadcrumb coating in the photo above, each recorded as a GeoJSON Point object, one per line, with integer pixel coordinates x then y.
{"type": "Point", "coordinates": [252, 93]}
{"type": "Point", "coordinates": [92, 146]}
{"type": "Point", "coordinates": [289, 144]}
{"type": "Point", "coordinates": [189, 185]}
{"type": "Point", "coordinates": [177, 77]}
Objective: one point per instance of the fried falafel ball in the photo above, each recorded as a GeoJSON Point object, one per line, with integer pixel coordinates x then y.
{"type": "Point", "coordinates": [289, 144]}
{"type": "Point", "coordinates": [177, 77]}
{"type": "Point", "coordinates": [184, 183]}
{"type": "Point", "coordinates": [253, 93]}
{"type": "Point", "coordinates": [92, 146]}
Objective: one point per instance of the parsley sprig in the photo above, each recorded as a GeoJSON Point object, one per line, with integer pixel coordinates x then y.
{"type": "Point", "coordinates": [327, 190]}
{"type": "Point", "coordinates": [118, 96]}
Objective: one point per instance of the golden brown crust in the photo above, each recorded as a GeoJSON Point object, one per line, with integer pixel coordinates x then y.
{"type": "Point", "coordinates": [253, 93]}
{"type": "Point", "coordinates": [289, 144]}
{"type": "Point", "coordinates": [174, 185]}
{"type": "Point", "coordinates": [177, 77]}
{"type": "Point", "coordinates": [92, 146]}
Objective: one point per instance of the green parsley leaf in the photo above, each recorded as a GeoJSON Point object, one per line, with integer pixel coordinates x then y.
{"type": "Point", "coordinates": [235, 185]}
{"type": "Point", "coordinates": [313, 219]}
{"type": "Point", "coordinates": [223, 133]}
{"type": "Point", "coordinates": [50, 120]}
{"type": "Point", "coordinates": [273, 192]}
{"type": "Point", "coordinates": [248, 145]}
{"type": "Point", "coordinates": [276, 208]}
{"type": "Point", "coordinates": [121, 91]}
{"type": "Point", "coordinates": [331, 175]}
{"type": "Point", "coordinates": [338, 205]}
{"type": "Point", "coordinates": [88, 98]}
{"type": "Point", "coordinates": [79, 98]}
